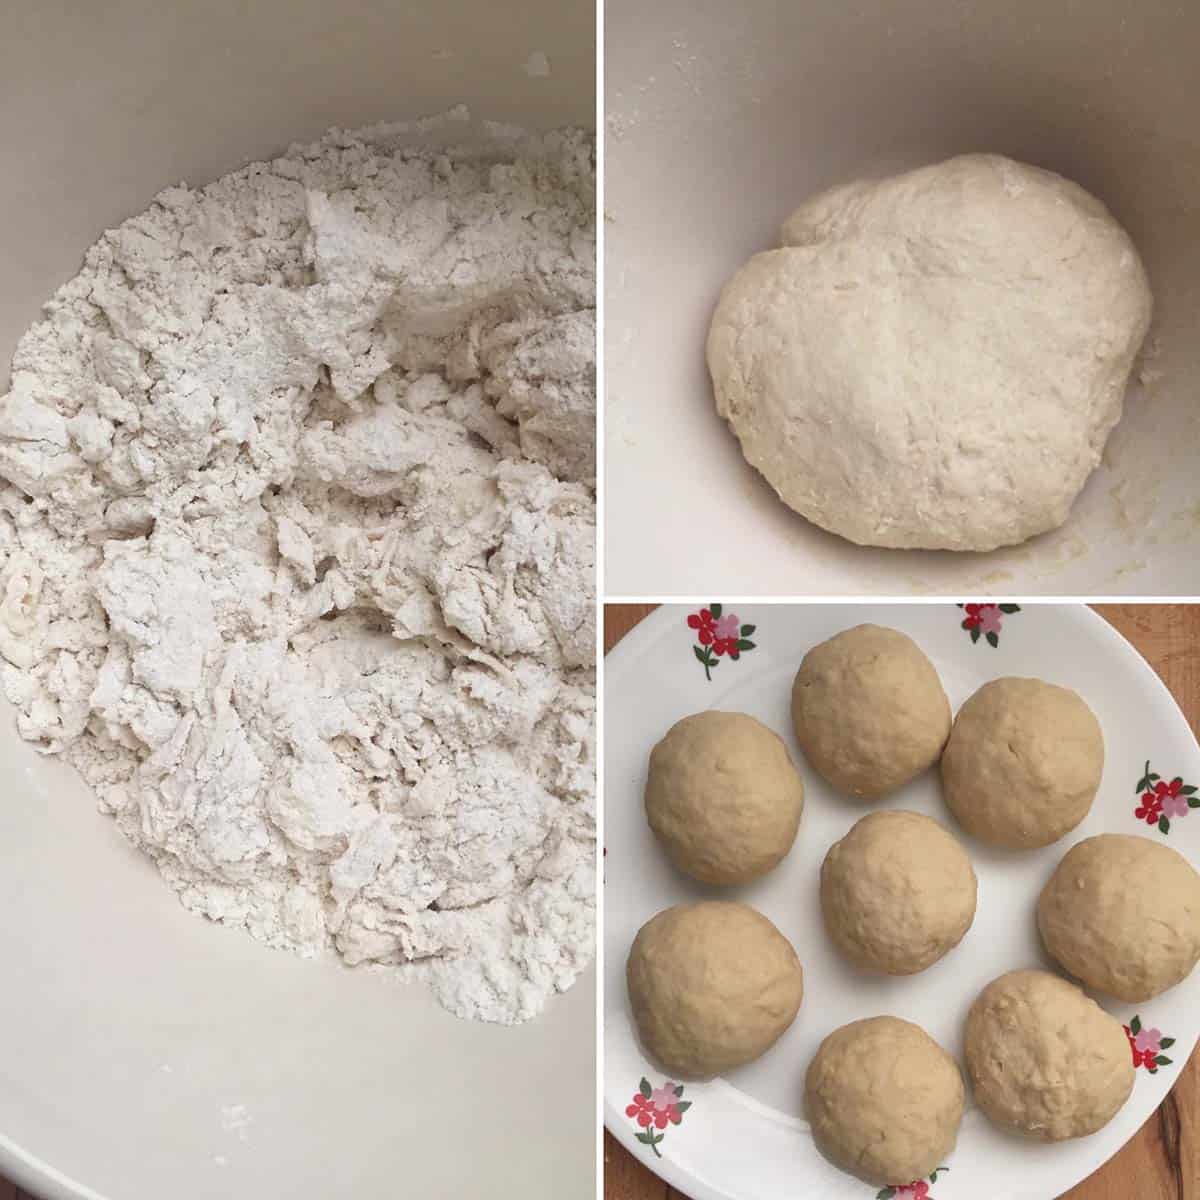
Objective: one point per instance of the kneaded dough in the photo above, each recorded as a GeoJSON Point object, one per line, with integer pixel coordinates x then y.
{"type": "Point", "coordinates": [897, 892]}
{"type": "Point", "coordinates": [935, 359]}
{"type": "Point", "coordinates": [723, 797]}
{"type": "Point", "coordinates": [1023, 762]}
{"type": "Point", "coordinates": [869, 711]}
{"type": "Point", "coordinates": [884, 1100]}
{"type": "Point", "coordinates": [712, 986]}
{"type": "Point", "coordinates": [1044, 1060]}
{"type": "Point", "coordinates": [1122, 914]}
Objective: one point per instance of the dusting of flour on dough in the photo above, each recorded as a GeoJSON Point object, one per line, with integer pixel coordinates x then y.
{"type": "Point", "coordinates": [297, 553]}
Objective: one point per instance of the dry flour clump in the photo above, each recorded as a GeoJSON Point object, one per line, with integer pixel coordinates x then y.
{"type": "Point", "coordinates": [297, 554]}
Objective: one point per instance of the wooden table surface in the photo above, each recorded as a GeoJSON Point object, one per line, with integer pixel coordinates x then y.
{"type": "Point", "coordinates": [1162, 1161]}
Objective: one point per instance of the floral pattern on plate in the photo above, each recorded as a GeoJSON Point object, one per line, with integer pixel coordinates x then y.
{"type": "Point", "coordinates": [1160, 801]}
{"type": "Point", "coordinates": [986, 620]}
{"type": "Point", "coordinates": [1147, 1045]}
{"type": "Point", "coordinates": [917, 1190]}
{"type": "Point", "coordinates": [654, 1108]}
{"type": "Point", "coordinates": [718, 634]}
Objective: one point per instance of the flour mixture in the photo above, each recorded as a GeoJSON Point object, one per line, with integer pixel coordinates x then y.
{"type": "Point", "coordinates": [297, 546]}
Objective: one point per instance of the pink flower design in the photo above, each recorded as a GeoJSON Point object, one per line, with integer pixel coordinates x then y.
{"type": "Point", "coordinates": [727, 627]}
{"type": "Point", "coordinates": [991, 619]}
{"type": "Point", "coordinates": [1146, 1046]}
{"type": "Point", "coordinates": [1149, 1039]}
{"type": "Point", "coordinates": [663, 1097]}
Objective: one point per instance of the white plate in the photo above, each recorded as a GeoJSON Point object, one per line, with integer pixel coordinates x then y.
{"type": "Point", "coordinates": [743, 1136]}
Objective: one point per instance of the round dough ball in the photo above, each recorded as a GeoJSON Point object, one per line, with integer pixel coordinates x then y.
{"type": "Point", "coordinates": [1023, 763]}
{"type": "Point", "coordinates": [1044, 1060]}
{"type": "Point", "coordinates": [1122, 914]}
{"type": "Point", "coordinates": [884, 1100]}
{"type": "Point", "coordinates": [936, 359]}
{"type": "Point", "coordinates": [869, 711]}
{"type": "Point", "coordinates": [723, 797]}
{"type": "Point", "coordinates": [712, 985]}
{"type": "Point", "coordinates": [898, 892]}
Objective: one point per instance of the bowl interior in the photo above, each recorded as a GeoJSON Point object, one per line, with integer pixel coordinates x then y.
{"type": "Point", "coordinates": [144, 1052]}
{"type": "Point", "coordinates": [721, 119]}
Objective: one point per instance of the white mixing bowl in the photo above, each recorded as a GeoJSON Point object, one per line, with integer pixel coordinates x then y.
{"type": "Point", "coordinates": [723, 117]}
{"type": "Point", "coordinates": [143, 1052]}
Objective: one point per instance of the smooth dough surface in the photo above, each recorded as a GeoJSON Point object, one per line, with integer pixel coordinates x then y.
{"type": "Point", "coordinates": [1023, 762]}
{"type": "Point", "coordinates": [1122, 914]}
{"type": "Point", "coordinates": [869, 711]}
{"type": "Point", "coordinates": [712, 986]}
{"type": "Point", "coordinates": [897, 892]}
{"type": "Point", "coordinates": [1044, 1060]}
{"type": "Point", "coordinates": [884, 1100]}
{"type": "Point", "coordinates": [723, 797]}
{"type": "Point", "coordinates": [935, 359]}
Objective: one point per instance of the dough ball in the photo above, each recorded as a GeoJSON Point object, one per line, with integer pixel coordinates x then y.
{"type": "Point", "coordinates": [1122, 914]}
{"type": "Point", "coordinates": [712, 985]}
{"type": "Point", "coordinates": [884, 1100]}
{"type": "Point", "coordinates": [1023, 763]}
{"type": "Point", "coordinates": [936, 359]}
{"type": "Point", "coordinates": [1044, 1060]}
{"type": "Point", "coordinates": [869, 711]}
{"type": "Point", "coordinates": [723, 797]}
{"type": "Point", "coordinates": [897, 892]}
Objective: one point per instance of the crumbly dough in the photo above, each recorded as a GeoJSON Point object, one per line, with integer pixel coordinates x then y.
{"type": "Point", "coordinates": [869, 711]}
{"type": "Point", "coordinates": [1122, 914]}
{"type": "Point", "coordinates": [1023, 762]}
{"type": "Point", "coordinates": [1044, 1060]}
{"type": "Point", "coordinates": [723, 797]}
{"type": "Point", "coordinates": [935, 359]}
{"type": "Point", "coordinates": [712, 986]}
{"type": "Point", "coordinates": [897, 892]}
{"type": "Point", "coordinates": [884, 1100]}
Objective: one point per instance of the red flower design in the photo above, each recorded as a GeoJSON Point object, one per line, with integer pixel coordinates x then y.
{"type": "Point", "coordinates": [641, 1110]}
{"type": "Point", "coordinates": [1146, 1046]}
{"type": "Point", "coordinates": [974, 617]}
{"type": "Point", "coordinates": [1150, 809]}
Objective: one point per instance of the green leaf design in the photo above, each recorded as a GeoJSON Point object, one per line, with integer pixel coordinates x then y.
{"type": "Point", "coordinates": [1187, 790]}
{"type": "Point", "coordinates": [974, 634]}
{"type": "Point", "coordinates": [886, 1194]}
{"type": "Point", "coordinates": [936, 1172]}
{"type": "Point", "coordinates": [645, 1088]}
{"type": "Point", "coordinates": [1135, 1026]}
{"type": "Point", "coordinates": [1164, 825]}
{"type": "Point", "coordinates": [1143, 783]}
{"type": "Point", "coordinates": [679, 1089]}
{"type": "Point", "coordinates": [1163, 1061]}
{"type": "Point", "coordinates": [993, 640]}
{"type": "Point", "coordinates": [1154, 776]}
{"type": "Point", "coordinates": [1167, 1043]}
{"type": "Point", "coordinates": [715, 609]}
{"type": "Point", "coordinates": [1194, 802]}
{"type": "Point", "coordinates": [747, 630]}
{"type": "Point", "coordinates": [1004, 608]}
{"type": "Point", "coordinates": [1152, 1069]}
{"type": "Point", "coordinates": [683, 1106]}
{"type": "Point", "coordinates": [698, 653]}
{"type": "Point", "coordinates": [744, 645]}
{"type": "Point", "coordinates": [644, 1138]}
